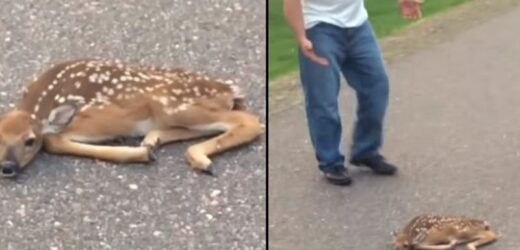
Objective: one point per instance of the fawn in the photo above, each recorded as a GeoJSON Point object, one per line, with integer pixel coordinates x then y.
{"type": "Point", "coordinates": [443, 232]}
{"type": "Point", "coordinates": [75, 106]}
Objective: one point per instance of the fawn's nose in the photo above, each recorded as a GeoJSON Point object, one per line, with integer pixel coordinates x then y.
{"type": "Point", "coordinates": [8, 168]}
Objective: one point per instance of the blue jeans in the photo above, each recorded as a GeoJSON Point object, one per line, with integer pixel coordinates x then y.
{"type": "Point", "coordinates": [355, 53]}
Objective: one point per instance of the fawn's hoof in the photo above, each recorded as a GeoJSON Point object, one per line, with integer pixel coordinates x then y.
{"type": "Point", "coordinates": [154, 142]}
{"type": "Point", "coordinates": [152, 153]}
{"type": "Point", "coordinates": [208, 171]}
{"type": "Point", "coordinates": [197, 159]}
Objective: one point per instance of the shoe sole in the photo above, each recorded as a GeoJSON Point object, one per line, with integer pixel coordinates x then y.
{"type": "Point", "coordinates": [339, 182]}
{"type": "Point", "coordinates": [374, 171]}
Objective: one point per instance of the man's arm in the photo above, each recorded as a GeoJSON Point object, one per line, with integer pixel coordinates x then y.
{"type": "Point", "coordinates": [294, 16]}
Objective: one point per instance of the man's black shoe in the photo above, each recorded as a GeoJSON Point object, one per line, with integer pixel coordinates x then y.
{"type": "Point", "coordinates": [378, 165]}
{"type": "Point", "coordinates": [338, 176]}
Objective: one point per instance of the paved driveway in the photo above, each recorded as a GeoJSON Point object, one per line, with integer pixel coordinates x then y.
{"type": "Point", "coordinates": [71, 203]}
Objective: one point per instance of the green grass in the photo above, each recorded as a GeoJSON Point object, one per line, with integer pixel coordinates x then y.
{"type": "Point", "coordinates": [384, 17]}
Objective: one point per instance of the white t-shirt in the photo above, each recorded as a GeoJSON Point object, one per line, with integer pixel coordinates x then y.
{"type": "Point", "coordinates": [342, 13]}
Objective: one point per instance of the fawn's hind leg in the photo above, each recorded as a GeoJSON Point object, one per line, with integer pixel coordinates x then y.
{"type": "Point", "coordinates": [435, 247]}
{"type": "Point", "coordinates": [156, 138]}
{"type": "Point", "coordinates": [484, 238]}
{"type": "Point", "coordinates": [240, 127]}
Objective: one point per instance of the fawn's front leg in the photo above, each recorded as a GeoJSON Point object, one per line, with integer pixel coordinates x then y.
{"type": "Point", "coordinates": [60, 144]}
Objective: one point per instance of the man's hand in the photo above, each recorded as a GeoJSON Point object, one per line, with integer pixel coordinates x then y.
{"type": "Point", "coordinates": [293, 13]}
{"type": "Point", "coordinates": [410, 9]}
{"type": "Point", "coordinates": [308, 51]}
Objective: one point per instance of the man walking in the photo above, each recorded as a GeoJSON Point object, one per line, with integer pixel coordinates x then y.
{"type": "Point", "coordinates": [335, 36]}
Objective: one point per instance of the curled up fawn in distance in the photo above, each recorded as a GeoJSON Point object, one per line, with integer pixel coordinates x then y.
{"type": "Point", "coordinates": [434, 232]}
{"type": "Point", "coordinates": [75, 106]}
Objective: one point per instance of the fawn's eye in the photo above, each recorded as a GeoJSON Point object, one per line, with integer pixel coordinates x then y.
{"type": "Point", "coordinates": [29, 142]}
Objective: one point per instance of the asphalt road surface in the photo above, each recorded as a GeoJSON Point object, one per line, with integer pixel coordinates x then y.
{"type": "Point", "coordinates": [453, 127]}
{"type": "Point", "coordinates": [74, 203]}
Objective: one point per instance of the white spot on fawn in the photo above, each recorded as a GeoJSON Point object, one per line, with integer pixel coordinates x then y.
{"type": "Point", "coordinates": [183, 107]}
{"type": "Point", "coordinates": [196, 90]}
{"type": "Point", "coordinates": [93, 78]}
{"type": "Point", "coordinates": [144, 76]}
{"type": "Point", "coordinates": [77, 98]}
{"type": "Point", "coordinates": [103, 78]}
{"type": "Point", "coordinates": [163, 100]}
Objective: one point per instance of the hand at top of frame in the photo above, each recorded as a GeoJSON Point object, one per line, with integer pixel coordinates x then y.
{"type": "Point", "coordinates": [410, 9]}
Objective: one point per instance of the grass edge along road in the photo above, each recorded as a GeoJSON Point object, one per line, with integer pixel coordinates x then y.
{"type": "Point", "coordinates": [384, 16]}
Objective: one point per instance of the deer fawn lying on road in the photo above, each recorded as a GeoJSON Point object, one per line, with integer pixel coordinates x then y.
{"type": "Point", "coordinates": [443, 232]}
{"type": "Point", "coordinates": [75, 105]}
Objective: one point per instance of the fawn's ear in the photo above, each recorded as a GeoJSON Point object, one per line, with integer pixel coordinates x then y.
{"type": "Point", "coordinates": [59, 118]}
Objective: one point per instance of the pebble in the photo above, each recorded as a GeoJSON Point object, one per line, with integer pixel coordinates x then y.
{"type": "Point", "coordinates": [215, 193]}
{"type": "Point", "coordinates": [88, 219]}
{"type": "Point", "coordinates": [21, 211]}
{"type": "Point", "coordinates": [133, 186]}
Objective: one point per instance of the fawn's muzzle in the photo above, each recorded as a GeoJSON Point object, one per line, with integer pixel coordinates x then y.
{"type": "Point", "coordinates": [9, 169]}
